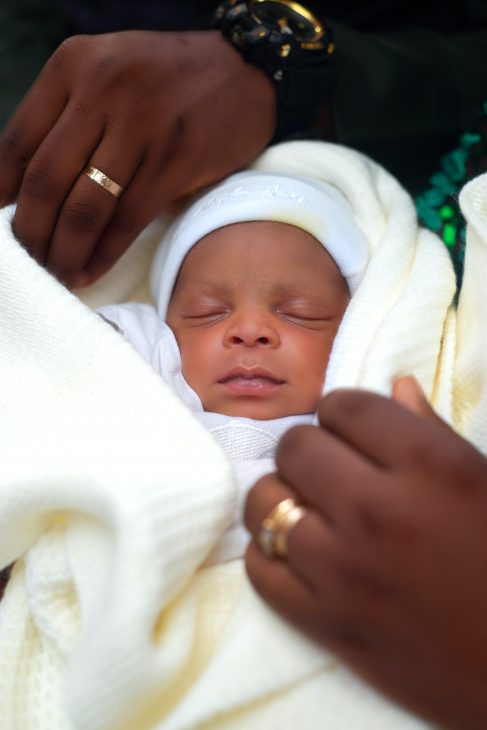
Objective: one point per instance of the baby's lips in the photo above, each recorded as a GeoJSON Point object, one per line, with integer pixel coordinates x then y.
{"type": "Point", "coordinates": [251, 373]}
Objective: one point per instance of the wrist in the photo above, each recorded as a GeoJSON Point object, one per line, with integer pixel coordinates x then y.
{"type": "Point", "coordinates": [294, 50]}
{"type": "Point", "coordinates": [256, 90]}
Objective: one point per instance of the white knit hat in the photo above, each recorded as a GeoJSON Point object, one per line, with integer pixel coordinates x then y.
{"type": "Point", "coordinates": [307, 203]}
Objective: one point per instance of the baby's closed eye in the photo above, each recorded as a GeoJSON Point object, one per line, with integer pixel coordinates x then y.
{"type": "Point", "coordinates": [305, 313]}
{"type": "Point", "coordinates": [204, 309]}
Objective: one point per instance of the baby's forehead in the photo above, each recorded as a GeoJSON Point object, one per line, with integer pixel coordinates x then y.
{"type": "Point", "coordinates": [220, 286]}
{"type": "Point", "coordinates": [289, 265]}
{"type": "Point", "coordinates": [255, 243]}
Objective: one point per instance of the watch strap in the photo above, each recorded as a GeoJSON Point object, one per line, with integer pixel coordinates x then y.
{"type": "Point", "coordinates": [302, 73]}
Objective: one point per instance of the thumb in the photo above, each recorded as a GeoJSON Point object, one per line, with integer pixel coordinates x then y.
{"type": "Point", "coordinates": [407, 392]}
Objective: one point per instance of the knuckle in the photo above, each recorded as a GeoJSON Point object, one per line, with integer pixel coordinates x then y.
{"type": "Point", "coordinates": [351, 403]}
{"type": "Point", "coordinates": [9, 144]}
{"type": "Point", "coordinates": [69, 47]}
{"type": "Point", "coordinates": [362, 582]}
{"type": "Point", "coordinates": [175, 140]}
{"type": "Point", "coordinates": [125, 222]}
{"type": "Point", "coordinates": [384, 520]}
{"type": "Point", "coordinates": [459, 465]}
{"type": "Point", "coordinates": [369, 515]}
{"type": "Point", "coordinates": [106, 67]}
{"type": "Point", "coordinates": [302, 459]}
{"type": "Point", "coordinates": [38, 184]}
{"type": "Point", "coordinates": [80, 108]}
{"type": "Point", "coordinates": [25, 236]}
{"type": "Point", "coordinates": [434, 456]}
{"type": "Point", "coordinates": [81, 217]}
{"type": "Point", "coordinates": [296, 439]}
{"type": "Point", "coordinates": [13, 149]}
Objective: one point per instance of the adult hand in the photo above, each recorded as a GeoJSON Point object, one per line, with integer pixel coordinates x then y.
{"type": "Point", "coordinates": [388, 567]}
{"type": "Point", "coordinates": [161, 114]}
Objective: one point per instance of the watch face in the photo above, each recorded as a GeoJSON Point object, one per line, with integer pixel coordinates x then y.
{"type": "Point", "coordinates": [288, 17]}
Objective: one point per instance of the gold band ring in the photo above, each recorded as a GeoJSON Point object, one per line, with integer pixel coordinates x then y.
{"type": "Point", "coordinates": [277, 525]}
{"type": "Point", "coordinates": [289, 520]}
{"type": "Point", "coordinates": [99, 177]}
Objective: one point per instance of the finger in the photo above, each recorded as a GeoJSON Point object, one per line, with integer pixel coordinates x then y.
{"type": "Point", "coordinates": [327, 474]}
{"type": "Point", "coordinates": [31, 122]}
{"type": "Point", "coordinates": [160, 180]}
{"type": "Point", "coordinates": [49, 178]}
{"type": "Point", "coordinates": [311, 551]}
{"type": "Point", "coordinates": [408, 393]}
{"type": "Point", "coordinates": [310, 542]}
{"type": "Point", "coordinates": [374, 426]}
{"type": "Point", "coordinates": [89, 206]}
{"type": "Point", "coordinates": [278, 584]}
{"type": "Point", "coordinates": [291, 597]}
{"type": "Point", "coordinates": [262, 498]}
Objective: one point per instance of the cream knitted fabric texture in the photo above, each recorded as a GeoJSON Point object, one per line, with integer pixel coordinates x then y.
{"type": "Point", "coordinates": [112, 494]}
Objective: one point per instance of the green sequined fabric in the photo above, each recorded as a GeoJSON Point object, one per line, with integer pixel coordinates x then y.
{"type": "Point", "coordinates": [438, 207]}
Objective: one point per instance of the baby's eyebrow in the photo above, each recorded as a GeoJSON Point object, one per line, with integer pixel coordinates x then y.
{"type": "Point", "coordinates": [288, 289]}
{"type": "Point", "coordinates": [207, 286]}
{"type": "Point", "coordinates": [284, 290]}
{"type": "Point", "coordinates": [293, 290]}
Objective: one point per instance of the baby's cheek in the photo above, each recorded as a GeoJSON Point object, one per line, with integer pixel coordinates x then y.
{"type": "Point", "coordinates": [316, 366]}
{"type": "Point", "coordinates": [196, 364]}
{"type": "Point", "coordinates": [318, 354]}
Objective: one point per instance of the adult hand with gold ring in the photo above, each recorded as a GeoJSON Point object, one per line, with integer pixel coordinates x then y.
{"type": "Point", "coordinates": [387, 567]}
{"type": "Point", "coordinates": [160, 114]}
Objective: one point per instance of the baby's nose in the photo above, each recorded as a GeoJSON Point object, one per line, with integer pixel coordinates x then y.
{"type": "Point", "coordinates": [252, 330]}
{"type": "Point", "coordinates": [249, 340]}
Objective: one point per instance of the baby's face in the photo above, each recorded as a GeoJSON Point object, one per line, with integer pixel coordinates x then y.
{"type": "Point", "coordinates": [255, 310]}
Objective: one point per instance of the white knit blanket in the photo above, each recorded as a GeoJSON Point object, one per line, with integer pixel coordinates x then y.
{"type": "Point", "coordinates": [112, 494]}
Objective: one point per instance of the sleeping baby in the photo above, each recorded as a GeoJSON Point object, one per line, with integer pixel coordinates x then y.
{"type": "Point", "coordinates": [251, 283]}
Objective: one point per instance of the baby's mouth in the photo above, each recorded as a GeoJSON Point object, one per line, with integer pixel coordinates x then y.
{"type": "Point", "coordinates": [253, 382]}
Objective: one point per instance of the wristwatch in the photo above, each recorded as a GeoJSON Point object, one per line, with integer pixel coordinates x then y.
{"type": "Point", "coordinates": [293, 48]}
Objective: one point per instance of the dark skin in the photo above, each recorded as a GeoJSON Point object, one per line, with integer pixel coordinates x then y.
{"type": "Point", "coordinates": [162, 114]}
{"type": "Point", "coordinates": [387, 569]}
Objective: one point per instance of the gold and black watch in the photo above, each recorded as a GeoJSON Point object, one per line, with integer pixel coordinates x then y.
{"type": "Point", "coordinates": [293, 47]}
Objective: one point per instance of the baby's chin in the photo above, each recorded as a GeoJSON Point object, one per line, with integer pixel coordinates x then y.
{"type": "Point", "coordinates": [257, 411]}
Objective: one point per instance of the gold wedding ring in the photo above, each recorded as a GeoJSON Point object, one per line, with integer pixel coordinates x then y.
{"type": "Point", "coordinates": [290, 519]}
{"type": "Point", "coordinates": [101, 179]}
{"type": "Point", "coordinates": [277, 525]}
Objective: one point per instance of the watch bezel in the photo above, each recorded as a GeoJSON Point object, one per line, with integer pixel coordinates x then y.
{"type": "Point", "coordinates": [312, 22]}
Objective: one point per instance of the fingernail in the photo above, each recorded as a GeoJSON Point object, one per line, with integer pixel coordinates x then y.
{"type": "Point", "coordinates": [81, 281]}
